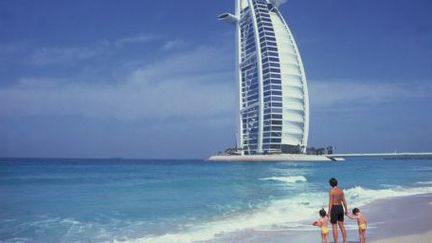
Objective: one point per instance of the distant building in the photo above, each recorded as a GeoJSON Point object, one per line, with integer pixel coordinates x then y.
{"type": "Point", "coordinates": [273, 93]}
{"type": "Point", "coordinates": [330, 149]}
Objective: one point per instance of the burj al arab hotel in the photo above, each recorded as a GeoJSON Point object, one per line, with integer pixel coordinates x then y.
{"type": "Point", "coordinates": [273, 93]}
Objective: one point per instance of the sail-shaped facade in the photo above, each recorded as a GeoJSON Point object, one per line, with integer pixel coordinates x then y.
{"type": "Point", "coordinates": [273, 93]}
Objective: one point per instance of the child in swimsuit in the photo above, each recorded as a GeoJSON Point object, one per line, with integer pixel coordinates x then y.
{"type": "Point", "coordinates": [323, 224]}
{"type": "Point", "coordinates": [362, 223]}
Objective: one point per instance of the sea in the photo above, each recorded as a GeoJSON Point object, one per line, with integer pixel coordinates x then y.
{"type": "Point", "coordinates": [120, 200]}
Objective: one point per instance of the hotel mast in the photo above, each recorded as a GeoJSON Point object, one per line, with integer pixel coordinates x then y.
{"type": "Point", "coordinates": [273, 93]}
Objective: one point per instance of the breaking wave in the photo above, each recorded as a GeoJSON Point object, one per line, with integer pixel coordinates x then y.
{"type": "Point", "coordinates": [424, 182]}
{"type": "Point", "coordinates": [292, 213]}
{"type": "Point", "coordinates": [287, 179]}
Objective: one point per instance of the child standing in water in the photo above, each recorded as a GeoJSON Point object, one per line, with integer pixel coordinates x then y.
{"type": "Point", "coordinates": [323, 224]}
{"type": "Point", "coordinates": [362, 223]}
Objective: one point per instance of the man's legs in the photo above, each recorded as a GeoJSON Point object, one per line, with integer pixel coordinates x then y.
{"type": "Point", "coordinates": [342, 228]}
{"type": "Point", "coordinates": [335, 233]}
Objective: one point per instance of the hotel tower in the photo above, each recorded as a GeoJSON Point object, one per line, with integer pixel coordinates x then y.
{"type": "Point", "coordinates": [273, 93]}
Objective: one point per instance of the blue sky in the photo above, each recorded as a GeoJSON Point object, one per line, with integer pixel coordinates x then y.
{"type": "Point", "coordinates": [155, 79]}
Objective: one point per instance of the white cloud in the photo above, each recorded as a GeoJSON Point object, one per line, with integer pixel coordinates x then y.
{"type": "Point", "coordinates": [141, 38]}
{"type": "Point", "coordinates": [49, 55]}
{"type": "Point", "coordinates": [203, 60]}
{"type": "Point", "coordinates": [173, 44]}
{"type": "Point", "coordinates": [55, 55]}
{"type": "Point", "coordinates": [328, 94]}
{"type": "Point", "coordinates": [185, 85]}
{"type": "Point", "coordinates": [190, 83]}
{"type": "Point", "coordinates": [277, 3]}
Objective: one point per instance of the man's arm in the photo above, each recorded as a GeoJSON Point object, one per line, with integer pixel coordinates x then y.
{"type": "Point", "coordinates": [345, 203]}
{"type": "Point", "coordinates": [330, 203]}
{"type": "Point", "coordinates": [351, 216]}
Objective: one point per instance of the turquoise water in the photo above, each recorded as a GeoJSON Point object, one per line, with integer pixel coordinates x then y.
{"type": "Point", "coordinates": [58, 200]}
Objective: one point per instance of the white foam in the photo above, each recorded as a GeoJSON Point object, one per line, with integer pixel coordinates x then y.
{"type": "Point", "coordinates": [291, 213]}
{"type": "Point", "coordinates": [359, 196]}
{"type": "Point", "coordinates": [424, 182]}
{"type": "Point", "coordinates": [19, 239]}
{"type": "Point", "coordinates": [287, 179]}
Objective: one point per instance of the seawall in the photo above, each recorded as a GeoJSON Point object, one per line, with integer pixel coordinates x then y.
{"type": "Point", "coordinates": [271, 157]}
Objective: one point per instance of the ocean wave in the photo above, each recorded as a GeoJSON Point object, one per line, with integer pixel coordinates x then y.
{"type": "Point", "coordinates": [424, 182]}
{"type": "Point", "coordinates": [422, 168]}
{"type": "Point", "coordinates": [287, 179]}
{"type": "Point", "coordinates": [74, 230]}
{"type": "Point", "coordinates": [359, 196]}
{"type": "Point", "coordinates": [293, 213]}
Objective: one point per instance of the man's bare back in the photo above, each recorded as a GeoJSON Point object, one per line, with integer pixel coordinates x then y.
{"type": "Point", "coordinates": [337, 196]}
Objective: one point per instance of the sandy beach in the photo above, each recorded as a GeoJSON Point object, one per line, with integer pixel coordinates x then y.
{"type": "Point", "coordinates": [406, 219]}
{"type": "Point", "coordinates": [418, 238]}
{"type": "Point", "coordinates": [401, 219]}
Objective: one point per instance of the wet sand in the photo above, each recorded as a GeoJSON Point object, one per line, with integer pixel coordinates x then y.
{"type": "Point", "coordinates": [401, 219]}
{"type": "Point", "coordinates": [406, 219]}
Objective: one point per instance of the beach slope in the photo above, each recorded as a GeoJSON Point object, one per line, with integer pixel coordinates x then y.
{"type": "Point", "coordinates": [404, 219]}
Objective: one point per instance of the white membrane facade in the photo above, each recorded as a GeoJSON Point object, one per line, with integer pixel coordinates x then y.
{"type": "Point", "coordinates": [273, 93]}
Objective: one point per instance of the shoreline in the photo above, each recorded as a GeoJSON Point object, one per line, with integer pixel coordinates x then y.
{"type": "Point", "coordinates": [392, 220]}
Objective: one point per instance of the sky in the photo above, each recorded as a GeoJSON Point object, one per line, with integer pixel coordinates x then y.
{"type": "Point", "coordinates": [156, 79]}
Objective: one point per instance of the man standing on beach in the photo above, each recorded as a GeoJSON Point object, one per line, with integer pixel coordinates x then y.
{"type": "Point", "coordinates": [336, 210]}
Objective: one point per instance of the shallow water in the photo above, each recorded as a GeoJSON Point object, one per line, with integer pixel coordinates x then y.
{"type": "Point", "coordinates": [58, 200]}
